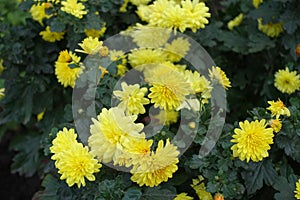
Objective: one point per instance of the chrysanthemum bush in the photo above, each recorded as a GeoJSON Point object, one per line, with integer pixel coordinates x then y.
{"type": "Point", "coordinates": [141, 112]}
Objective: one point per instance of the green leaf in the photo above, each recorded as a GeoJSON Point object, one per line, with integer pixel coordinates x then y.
{"type": "Point", "coordinates": [51, 187]}
{"type": "Point", "coordinates": [27, 160]}
{"type": "Point", "coordinates": [158, 193]}
{"type": "Point", "coordinates": [286, 187]}
{"type": "Point", "coordinates": [132, 194]}
{"type": "Point", "coordinates": [259, 173]}
{"type": "Point", "coordinates": [57, 26]}
{"type": "Point", "coordinates": [259, 42]}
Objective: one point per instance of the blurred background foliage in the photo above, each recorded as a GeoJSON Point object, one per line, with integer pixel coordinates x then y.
{"type": "Point", "coordinates": [249, 57]}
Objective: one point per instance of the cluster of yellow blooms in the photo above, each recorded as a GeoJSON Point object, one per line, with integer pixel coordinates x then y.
{"type": "Point", "coordinates": [73, 7]}
{"type": "Point", "coordinates": [190, 14]}
{"type": "Point", "coordinates": [73, 161]}
{"type": "Point", "coordinates": [286, 81]}
{"type": "Point", "coordinates": [252, 140]}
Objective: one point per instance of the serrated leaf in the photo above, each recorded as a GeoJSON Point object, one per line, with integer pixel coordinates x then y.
{"type": "Point", "coordinates": [132, 194]}
{"type": "Point", "coordinates": [158, 193]}
{"type": "Point", "coordinates": [259, 42]}
{"type": "Point", "coordinates": [27, 160]}
{"type": "Point", "coordinates": [51, 186]}
{"type": "Point", "coordinates": [285, 187]}
{"type": "Point", "coordinates": [259, 173]}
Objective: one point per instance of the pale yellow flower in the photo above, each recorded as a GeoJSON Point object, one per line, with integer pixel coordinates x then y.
{"type": "Point", "coordinates": [74, 8]}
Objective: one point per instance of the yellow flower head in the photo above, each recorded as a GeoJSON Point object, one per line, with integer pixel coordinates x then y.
{"type": "Point", "coordinates": [38, 12]}
{"type": "Point", "coordinates": [111, 129]}
{"type": "Point", "coordinates": [198, 82]}
{"type": "Point", "coordinates": [157, 167]}
{"type": "Point", "coordinates": [235, 22]}
{"type": "Point", "coordinates": [196, 14]}
{"type": "Point", "coordinates": [116, 55]}
{"type": "Point", "coordinates": [277, 108]}
{"type": "Point", "coordinates": [150, 37]}
{"type": "Point", "coordinates": [168, 89]}
{"type": "Point", "coordinates": [297, 191]}
{"type": "Point", "coordinates": [183, 196]}
{"type": "Point", "coordinates": [132, 98]}
{"type": "Point", "coordinates": [65, 74]}
{"type": "Point", "coordinates": [74, 8]}
{"type": "Point", "coordinates": [133, 151]}
{"type": "Point", "coordinates": [174, 17]}
{"type": "Point", "coordinates": [49, 36]}
{"type": "Point", "coordinates": [177, 49]}
{"type": "Point", "coordinates": [2, 93]}
{"type": "Point", "coordinates": [140, 57]}
{"type": "Point", "coordinates": [275, 125]}
{"type": "Point", "coordinates": [219, 75]}
{"type": "Point", "coordinates": [286, 81]}
{"type": "Point", "coordinates": [90, 46]}
{"type": "Point", "coordinates": [256, 3]}
{"type": "Point", "coordinates": [200, 189]}
{"type": "Point", "coordinates": [74, 162]}
{"type": "Point", "coordinates": [95, 33]}
{"type": "Point", "coordinates": [252, 140]}
{"type": "Point", "coordinates": [270, 29]}
{"type": "Point", "coordinates": [166, 117]}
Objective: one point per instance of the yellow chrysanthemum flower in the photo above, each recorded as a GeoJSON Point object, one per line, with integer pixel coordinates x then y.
{"type": "Point", "coordinates": [297, 191]}
{"type": "Point", "coordinates": [183, 196]}
{"type": "Point", "coordinates": [150, 37]}
{"type": "Point", "coordinates": [49, 36]}
{"type": "Point", "coordinates": [140, 57]}
{"type": "Point", "coordinates": [74, 162]}
{"type": "Point", "coordinates": [153, 13]}
{"type": "Point", "coordinates": [64, 138]}
{"type": "Point", "coordinates": [166, 117]}
{"type": "Point", "coordinates": [252, 140]}
{"type": "Point", "coordinates": [198, 82]}
{"type": "Point", "coordinates": [286, 81]}
{"type": "Point", "coordinates": [116, 55]}
{"type": "Point", "coordinates": [111, 129]}
{"type": "Point", "coordinates": [74, 8]}
{"type": "Point", "coordinates": [38, 12]}
{"type": "Point", "coordinates": [132, 98]}
{"type": "Point", "coordinates": [200, 189]}
{"type": "Point", "coordinates": [174, 17]}
{"type": "Point", "coordinates": [168, 89]}
{"type": "Point", "coordinates": [65, 74]}
{"type": "Point", "coordinates": [275, 125]}
{"type": "Point", "coordinates": [133, 151]}
{"type": "Point", "coordinates": [95, 33]}
{"type": "Point", "coordinates": [219, 75]}
{"type": "Point", "coordinates": [196, 14]}
{"type": "Point", "coordinates": [157, 167]}
{"type": "Point", "coordinates": [2, 93]}
{"type": "Point", "coordinates": [177, 49]}
{"type": "Point", "coordinates": [256, 3]}
{"type": "Point", "coordinates": [90, 46]}
{"type": "Point", "coordinates": [277, 108]}
{"type": "Point", "coordinates": [235, 22]}
{"type": "Point", "coordinates": [270, 29]}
